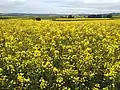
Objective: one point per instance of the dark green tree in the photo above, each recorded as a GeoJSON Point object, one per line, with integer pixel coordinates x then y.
{"type": "Point", "coordinates": [70, 16]}
{"type": "Point", "coordinates": [109, 16]}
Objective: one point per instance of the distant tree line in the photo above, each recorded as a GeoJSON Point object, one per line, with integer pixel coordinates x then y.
{"type": "Point", "coordinates": [100, 16]}
{"type": "Point", "coordinates": [69, 16]}
{"type": "Point", "coordinates": [91, 16]}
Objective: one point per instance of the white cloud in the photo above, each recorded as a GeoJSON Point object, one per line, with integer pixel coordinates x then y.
{"type": "Point", "coordinates": [60, 6]}
{"type": "Point", "coordinates": [101, 1]}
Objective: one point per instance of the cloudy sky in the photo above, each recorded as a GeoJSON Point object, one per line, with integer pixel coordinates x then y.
{"type": "Point", "coordinates": [59, 6]}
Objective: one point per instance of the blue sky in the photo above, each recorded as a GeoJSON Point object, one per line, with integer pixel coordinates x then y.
{"type": "Point", "coordinates": [59, 6]}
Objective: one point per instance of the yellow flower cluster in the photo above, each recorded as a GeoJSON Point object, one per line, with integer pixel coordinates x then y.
{"type": "Point", "coordinates": [54, 55]}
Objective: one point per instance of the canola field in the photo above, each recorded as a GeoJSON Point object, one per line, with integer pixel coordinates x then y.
{"type": "Point", "coordinates": [53, 55]}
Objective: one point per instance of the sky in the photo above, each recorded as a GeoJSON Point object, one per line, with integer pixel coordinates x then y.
{"type": "Point", "coordinates": [59, 6]}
